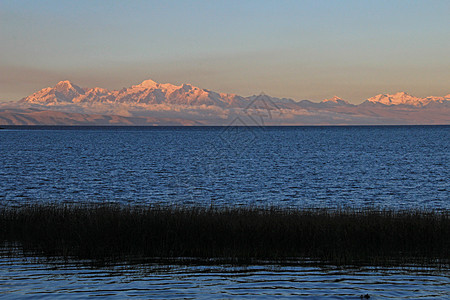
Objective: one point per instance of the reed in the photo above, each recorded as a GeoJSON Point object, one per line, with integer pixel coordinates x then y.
{"type": "Point", "coordinates": [114, 232]}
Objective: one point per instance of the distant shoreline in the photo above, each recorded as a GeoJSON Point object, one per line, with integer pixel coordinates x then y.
{"type": "Point", "coordinates": [215, 126]}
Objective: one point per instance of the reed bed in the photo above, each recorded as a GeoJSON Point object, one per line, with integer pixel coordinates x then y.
{"type": "Point", "coordinates": [114, 232]}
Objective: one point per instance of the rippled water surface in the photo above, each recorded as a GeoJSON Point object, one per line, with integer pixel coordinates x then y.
{"type": "Point", "coordinates": [21, 278]}
{"type": "Point", "coordinates": [397, 167]}
{"type": "Point", "coordinates": [388, 166]}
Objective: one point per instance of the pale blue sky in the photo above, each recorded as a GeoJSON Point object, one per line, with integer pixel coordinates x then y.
{"type": "Point", "coordinates": [298, 49]}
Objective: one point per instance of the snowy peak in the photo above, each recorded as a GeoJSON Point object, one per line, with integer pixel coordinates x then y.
{"type": "Point", "coordinates": [67, 87]}
{"type": "Point", "coordinates": [148, 84]}
{"type": "Point", "coordinates": [97, 90]}
{"type": "Point", "coordinates": [403, 98]}
{"type": "Point", "coordinates": [397, 99]}
{"type": "Point", "coordinates": [63, 91]}
{"type": "Point", "coordinates": [151, 92]}
{"type": "Point", "coordinates": [164, 87]}
{"type": "Point", "coordinates": [66, 91]}
{"type": "Point", "coordinates": [335, 100]}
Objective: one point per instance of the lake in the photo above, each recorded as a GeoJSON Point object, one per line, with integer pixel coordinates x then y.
{"type": "Point", "coordinates": [29, 279]}
{"type": "Point", "coordinates": [396, 167]}
{"type": "Point", "coordinates": [386, 167]}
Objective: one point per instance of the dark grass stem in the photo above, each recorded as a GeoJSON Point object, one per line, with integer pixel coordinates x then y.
{"type": "Point", "coordinates": [116, 233]}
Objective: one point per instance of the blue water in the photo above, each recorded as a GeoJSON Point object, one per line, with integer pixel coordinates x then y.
{"type": "Point", "coordinates": [396, 167]}
{"type": "Point", "coordinates": [30, 279]}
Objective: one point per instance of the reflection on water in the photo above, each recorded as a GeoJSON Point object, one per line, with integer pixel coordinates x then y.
{"type": "Point", "coordinates": [29, 278]}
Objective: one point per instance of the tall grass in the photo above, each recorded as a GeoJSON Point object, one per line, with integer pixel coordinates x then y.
{"type": "Point", "coordinates": [113, 232]}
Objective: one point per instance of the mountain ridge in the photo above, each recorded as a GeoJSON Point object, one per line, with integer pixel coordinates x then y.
{"type": "Point", "coordinates": [186, 102]}
{"type": "Point", "coordinates": [72, 91]}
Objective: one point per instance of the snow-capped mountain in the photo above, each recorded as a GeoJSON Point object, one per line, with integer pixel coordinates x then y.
{"type": "Point", "coordinates": [155, 103]}
{"type": "Point", "coordinates": [148, 92]}
{"type": "Point", "coordinates": [151, 92]}
{"type": "Point", "coordinates": [403, 98]}
{"type": "Point", "coordinates": [63, 92]}
{"type": "Point", "coordinates": [336, 101]}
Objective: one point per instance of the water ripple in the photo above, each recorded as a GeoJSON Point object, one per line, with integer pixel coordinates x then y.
{"type": "Point", "coordinates": [29, 278]}
{"type": "Point", "coordinates": [396, 167]}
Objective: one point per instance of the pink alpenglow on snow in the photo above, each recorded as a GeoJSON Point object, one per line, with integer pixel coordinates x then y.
{"type": "Point", "coordinates": [152, 103]}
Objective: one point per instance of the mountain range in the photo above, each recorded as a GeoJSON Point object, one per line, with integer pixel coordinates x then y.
{"type": "Point", "coordinates": [152, 103]}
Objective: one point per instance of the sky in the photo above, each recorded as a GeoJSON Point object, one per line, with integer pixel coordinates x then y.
{"type": "Point", "coordinates": [296, 49]}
